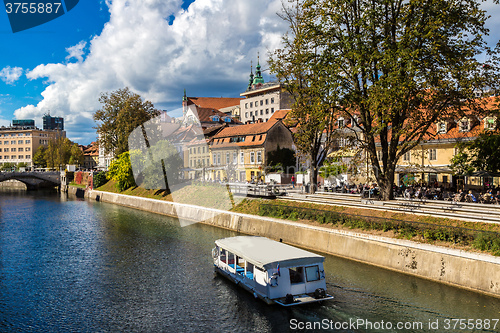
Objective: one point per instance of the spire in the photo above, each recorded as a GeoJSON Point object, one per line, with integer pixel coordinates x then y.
{"type": "Point", "coordinates": [184, 98]}
{"type": "Point", "coordinates": [250, 81]}
{"type": "Point", "coordinates": [258, 75]}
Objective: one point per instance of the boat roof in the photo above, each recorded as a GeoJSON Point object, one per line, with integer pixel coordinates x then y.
{"type": "Point", "coordinates": [266, 253]}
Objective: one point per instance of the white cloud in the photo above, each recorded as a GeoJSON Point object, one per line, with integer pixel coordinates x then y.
{"type": "Point", "coordinates": [10, 75]}
{"type": "Point", "coordinates": [209, 46]}
{"type": "Point", "coordinates": [76, 51]}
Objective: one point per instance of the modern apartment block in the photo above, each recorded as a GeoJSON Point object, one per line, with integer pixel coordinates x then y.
{"type": "Point", "coordinates": [53, 123]}
{"type": "Point", "coordinates": [19, 142]}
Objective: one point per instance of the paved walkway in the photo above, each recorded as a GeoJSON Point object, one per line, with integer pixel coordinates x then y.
{"type": "Point", "coordinates": [476, 212]}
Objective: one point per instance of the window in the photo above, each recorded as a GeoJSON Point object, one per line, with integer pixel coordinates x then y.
{"type": "Point", "coordinates": [489, 123]}
{"type": "Point", "coordinates": [227, 119]}
{"type": "Point", "coordinates": [272, 100]}
{"type": "Point", "coordinates": [251, 104]}
{"type": "Point", "coordinates": [218, 158]}
{"type": "Point", "coordinates": [406, 156]}
{"type": "Point", "coordinates": [19, 142]}
{"type": "Point", "coordinates": [272, 110]}
{"type": "Point", "coordinates": [259, 157]}
{"type": "Point", "coordinates": [341, 122]}
{"type": "Point", "coordinates": [235, 158]}
{"type": "Point", "coordinates": [246, 105]}
{"type": "Point", "coordinates": [0, 150]}
{"type": "Point", "coordinates": [432, 155]}
{"type": "Point", "coordinates": [253, 138]}
{"type": "Point", "coordinates": [312, 273]}
{"type": "Point", "coordinates": [246, 114]}
{"type": "Point", "coordinates": [441, 128]}
{"type": "Point", "coordinates": [252, 157]}
{"type": "Point", "coordinates": [20, 149]}
{"type": "Point", "coordinates": [251, 114]}
{"type": "Point", "coordinates": [463, 125]}
{"type": "Point", "coordinates": [6, 142]}
{"type": "Point", "coordinates": [261, 102]}
{"type": "Point", "coordinates": [267, 101]}
{"type": "Point", "coordinates": [203, 149]}
{"type": "Point", "coordinates": [198, 150]}
{"type": "Point", "coordinates": [215, 118]}
{"type": "Point", "coordinates": [214, 158]}
{"type": "Point", "coordinates": [242, 158]}
{"type": "Point", "coordinates": [261, 112]}
{"type": "Point", "coordinates": [13, 142]}
{"type": "Point", "coordinates": [296, 275]}
{"type": "Point", "coordinates": [20, 157]}
{"type": "Point", "coordinates": [227, 158]}
{"type": "Point", "coordinates": [208, 161]}
{"type": "Point", "coordinates": [6, 150]}
{"type": "Point", "coordinates": [267, 111]}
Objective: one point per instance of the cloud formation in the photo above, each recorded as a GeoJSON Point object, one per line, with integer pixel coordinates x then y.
{"type": "Point", "coordinates": [10, 75]}
{"type": "Point", "coordinates": [207, 47]}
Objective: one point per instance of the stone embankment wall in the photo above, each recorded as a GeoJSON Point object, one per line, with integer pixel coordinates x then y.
{"type": "Point", "coordinates": [478, 272]}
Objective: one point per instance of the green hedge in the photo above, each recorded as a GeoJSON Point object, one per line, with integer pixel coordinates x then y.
{"type": "Point", "coordinates": [485, 241]}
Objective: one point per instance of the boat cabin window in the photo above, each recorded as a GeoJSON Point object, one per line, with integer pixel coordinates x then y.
{"type": "Point", "coordinates": [312, 273]}
{"type": "Point", "coordinates": [249, 271]}
{"type": "Point", "coordinates": [223, 256]}
{"type": "Point", "coordinates": [240, 268]}
{"type": "Point", "coordinates": [230, 259]}
{"type": "Point", "coordinates": [296, 274]}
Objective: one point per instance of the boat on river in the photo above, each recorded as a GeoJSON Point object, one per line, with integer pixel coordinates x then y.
{"type": "Point", "coordinates": [273, 271]}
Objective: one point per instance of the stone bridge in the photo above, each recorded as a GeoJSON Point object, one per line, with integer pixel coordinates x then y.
{"type": "Point", "coordinates": [34, 179]}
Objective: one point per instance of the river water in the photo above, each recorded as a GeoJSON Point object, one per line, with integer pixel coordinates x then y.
{"type": "Point", "coordinates": [72, 265]}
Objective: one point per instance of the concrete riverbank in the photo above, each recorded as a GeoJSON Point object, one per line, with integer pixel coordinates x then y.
{"type": "Point", "coordinates": [474, 271]}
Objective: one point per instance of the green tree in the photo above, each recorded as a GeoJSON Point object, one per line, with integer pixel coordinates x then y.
{"type": "Point", "coordinates": [397, 67]}
{"type": "Point", "coordinates": [77, 156]}
{"type": "Point", "coordinates": [39, 159]}
{"type": "Point", "coordinates": [121, 112]}
{"type": "Point", "coordinates": [120, 170]}
{"type": "Point", "coordinates": [304, 74]}
{"type": "Point", "coordinates": [480, 154]}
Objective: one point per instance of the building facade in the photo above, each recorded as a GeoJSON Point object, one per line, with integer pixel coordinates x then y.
{"type": "Point", "coordinates": [18, 144]}
{"type": "Point", "coordinates": [262, 99]}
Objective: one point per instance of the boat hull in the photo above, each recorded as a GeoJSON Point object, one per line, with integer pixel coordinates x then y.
{"type": "Point", "coordinates": [297, 299]}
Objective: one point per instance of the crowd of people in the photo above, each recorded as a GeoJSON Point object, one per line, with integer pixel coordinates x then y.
{"type": "Point", "coordinates": [422, 191]}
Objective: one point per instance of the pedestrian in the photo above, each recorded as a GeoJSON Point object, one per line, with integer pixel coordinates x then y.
{"type": "Point", "coordinates": [293, 181]}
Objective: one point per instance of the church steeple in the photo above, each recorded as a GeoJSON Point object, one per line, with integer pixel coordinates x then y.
{"type": "Point", "coordinates": [258, 75]}
{"type": "Point", "coordinates": [250, 81]}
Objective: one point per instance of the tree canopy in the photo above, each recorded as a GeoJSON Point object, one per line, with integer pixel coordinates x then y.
{"type": "Point", "coordinates": [58, 153]}
{"type": "Point", "coordinates": [480, 154]}
{"type": "Point", "coordinates": [391, 68]}
{"type": "Point", "coordinates": [121, 112]}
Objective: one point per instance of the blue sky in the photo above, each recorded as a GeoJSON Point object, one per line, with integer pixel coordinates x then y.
{"type": "Point", "coordinates": [155, 47]}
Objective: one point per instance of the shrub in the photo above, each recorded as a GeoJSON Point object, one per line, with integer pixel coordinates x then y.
{"type": "Point", "coordinates": [99, 179]}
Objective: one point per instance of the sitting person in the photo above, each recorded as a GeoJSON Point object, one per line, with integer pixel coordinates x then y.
{"type": "Point", "coordinates": [471, 197]}
{"type": "Point", "coordinates": [459, 196]}
{"type": "Point", "coordinates": [497, 198]}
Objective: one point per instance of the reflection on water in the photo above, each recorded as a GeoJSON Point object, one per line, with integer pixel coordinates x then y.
{"type": "Point", "coordinates": [75, 265]}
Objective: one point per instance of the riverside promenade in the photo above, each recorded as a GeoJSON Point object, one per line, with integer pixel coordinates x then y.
{"type": "Point", "coordinates": [473, 212]}
{"type": "Point", "coordinates": [473, 271]}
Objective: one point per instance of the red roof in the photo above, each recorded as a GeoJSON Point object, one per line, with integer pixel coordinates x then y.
{"type": "Point", "coordinates": [214, 102]}
{"type": "Point", "coordinates": [249, 129]}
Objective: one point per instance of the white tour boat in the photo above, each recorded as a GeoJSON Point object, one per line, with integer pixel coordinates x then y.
{"type": "Point", "coordinates": [273, 271]}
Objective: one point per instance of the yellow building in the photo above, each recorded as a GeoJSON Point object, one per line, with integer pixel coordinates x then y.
{"type": "Point", "coordinates": [18, 144]}
{"type": "Point", "coordinates": [239, 153]}
{"type": "Point", "coordinates": [430, 161]}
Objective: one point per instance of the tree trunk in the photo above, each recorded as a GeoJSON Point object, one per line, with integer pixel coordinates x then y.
{"type": "Point", "coordinates": [313, 185]}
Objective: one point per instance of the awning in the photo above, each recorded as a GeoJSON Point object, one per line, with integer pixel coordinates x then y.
{"type": "Point", "coordinates": [425, 169]}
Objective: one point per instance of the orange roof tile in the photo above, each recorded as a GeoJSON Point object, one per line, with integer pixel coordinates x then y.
{"type": "Point", "coordinates": [214, 102]}
{"type": "Point", "coordinates": [248, 129]}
